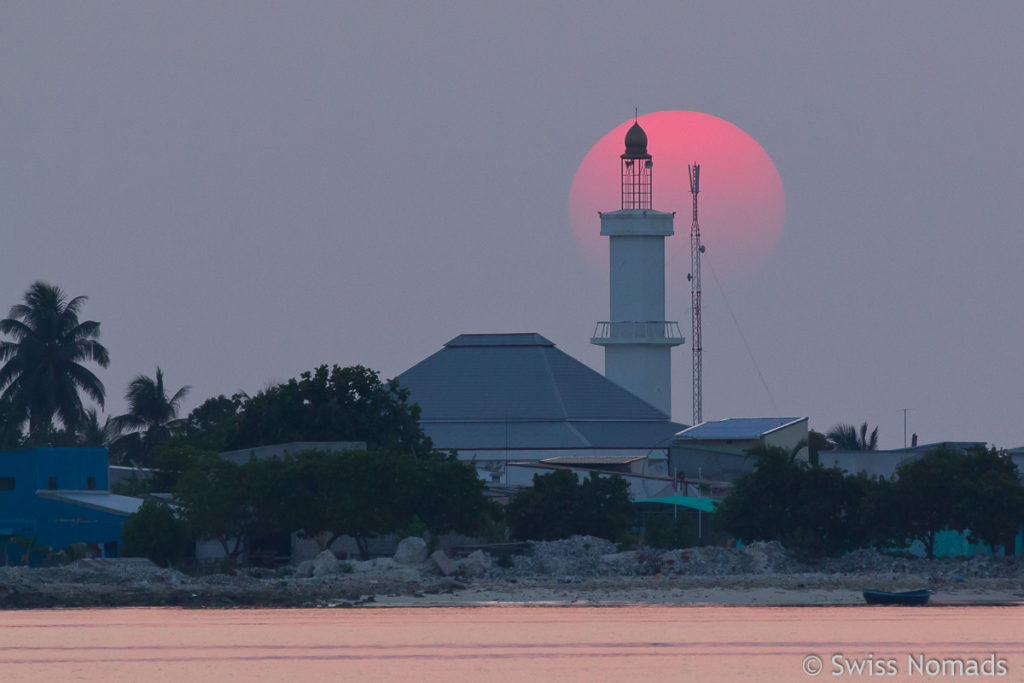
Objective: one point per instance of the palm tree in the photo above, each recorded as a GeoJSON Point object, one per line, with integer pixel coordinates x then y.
{"type": "Point", "coordinates": [43, 374]}
{"type": "Point", "coordinates": [152, 418]}
{"type": "Point", "coordinates": [92, 434]}
{"type": "Point", "coordinates": [847, 438]}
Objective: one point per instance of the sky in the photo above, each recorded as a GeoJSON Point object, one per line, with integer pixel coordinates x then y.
{"type": "Point", "coordinates": [247, 190]}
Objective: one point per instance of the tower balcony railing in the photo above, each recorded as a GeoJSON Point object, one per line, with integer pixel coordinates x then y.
{"type": "Point", "coordinates": [657, 332]}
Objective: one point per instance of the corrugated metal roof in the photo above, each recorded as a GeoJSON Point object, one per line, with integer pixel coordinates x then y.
{"type": "Point", "coordinates": [518, 391]}
{"type": "Point", "coordinates": [513, 339]}
{"type": "Point", "coordinates": [623, 434]}
{"type": "Point", "coordinates": [493, 377]}
{"type": "Point", "coordinates": [97, 500]}
{"type": "Point", "coordinates": [737, 428]}
{"type": "Point", "coordinates": [592, 459]}
{"type": "Point", "coordinates": [500, 435]}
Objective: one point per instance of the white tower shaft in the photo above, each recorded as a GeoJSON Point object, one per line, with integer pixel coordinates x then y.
{"type": "Point", "coordinates": [637, 339]}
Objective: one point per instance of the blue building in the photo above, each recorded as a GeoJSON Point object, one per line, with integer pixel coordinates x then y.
{"type": "Point", "coordinates": [59, 496]}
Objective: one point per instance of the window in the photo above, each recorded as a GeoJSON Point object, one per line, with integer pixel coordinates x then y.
{"type": "Point", "coordinates": [6, 483]}
{"type": "Point", "coordinates": [52, 484]}
{"type": "Point", "coordinates": [90, 483]}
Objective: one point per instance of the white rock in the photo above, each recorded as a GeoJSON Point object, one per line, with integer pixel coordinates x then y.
{"type": "Point", "coordinates": [375, 565]}
{"type": "Point", "coordinates": [304, 570]}
{"type": "Point", "coordinates": [325, 564]}
{"type": "Point", "coordinates": [447, 565]}
{"type": "Point", "coordinates": [412, 550]}
{"type": "Point", "coordinates": [476, 563]}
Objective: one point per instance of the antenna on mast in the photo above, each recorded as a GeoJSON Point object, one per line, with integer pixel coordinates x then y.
{"type": "Point", "coordinates": [696, 249]}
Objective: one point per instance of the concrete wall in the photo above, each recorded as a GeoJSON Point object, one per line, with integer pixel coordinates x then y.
{"type": "Point", "coordinates": [788, 437]}
{"type": "Point", "coordinates": [711, 464]}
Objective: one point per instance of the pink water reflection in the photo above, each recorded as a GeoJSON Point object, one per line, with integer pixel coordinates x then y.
{"type": "Point", "coordinates": [494, 644]}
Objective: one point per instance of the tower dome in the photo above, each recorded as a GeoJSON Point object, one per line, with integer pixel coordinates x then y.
{"type": "Point", "coordinates": [636, 143]}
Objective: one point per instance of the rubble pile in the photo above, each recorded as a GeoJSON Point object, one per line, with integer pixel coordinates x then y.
{"type": "Point", "coordinates": [588, 561]}
{"type": "Point", "coordinates": [575, 556]}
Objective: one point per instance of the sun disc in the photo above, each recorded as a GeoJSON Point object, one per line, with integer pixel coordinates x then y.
{"type": "Point", "coordinates": [741, 202]}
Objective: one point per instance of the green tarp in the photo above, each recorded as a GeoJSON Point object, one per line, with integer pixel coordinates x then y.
{"type": "Point", "coordinates": [693, 502]}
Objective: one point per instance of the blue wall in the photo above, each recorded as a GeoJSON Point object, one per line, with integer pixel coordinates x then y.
{"type": "Point", "coordinates": [55, 524]}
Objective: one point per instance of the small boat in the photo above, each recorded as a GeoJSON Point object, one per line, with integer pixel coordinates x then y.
{"type": "Point", "coordinates": [906, 598]}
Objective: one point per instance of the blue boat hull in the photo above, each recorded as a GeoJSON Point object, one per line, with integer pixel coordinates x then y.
{"type": "Point", "coordinates": [906, 598]}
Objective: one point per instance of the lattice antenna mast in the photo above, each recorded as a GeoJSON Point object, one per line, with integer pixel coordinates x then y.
{"type": "Point", "coordinates": [696, 249]}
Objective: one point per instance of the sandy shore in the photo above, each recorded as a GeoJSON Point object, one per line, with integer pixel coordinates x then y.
{"type": "Point", "coordinates": [562, 573]}
{"type": "Point", "coordinates": [767, 590]}
{"type": "Point", "coordinates": [382, 592]}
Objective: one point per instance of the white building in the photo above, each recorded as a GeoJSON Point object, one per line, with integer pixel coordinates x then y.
{"type": "Point", "coordinates": [884, 463]}
{"type": "Point", "coordinates": [717, 449]}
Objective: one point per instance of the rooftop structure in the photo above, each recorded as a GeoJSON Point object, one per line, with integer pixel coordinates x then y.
{"type": "Point", "coordinates": [738, 428]}
{"type": "Point", "coordinates": [500, 397]}
{"type": "Point", "coordinates": [717, 449]}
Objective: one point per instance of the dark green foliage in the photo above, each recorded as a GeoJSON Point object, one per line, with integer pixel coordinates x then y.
{"type": "Point", "coordinates": [326, 495]}
{"type": "Point", "coordinates": [817, 442]}
{"type": "Point", "coordinates": [668, 532]}
{"type": "Point", "coordinates": [215, 423]}
{"type": "Point", "coordinates": [11, 419]}
{"type": "Point", "coordinates": [369, 494]}
{"type": "Point", "coordinates": [155, 532]}
{"type": "Point", "coordinates": [826, 512]}
{"type": "Point", "coordinates": [328, 404]}
{"type": "Point", "coordinates": [807, 508]}
{"type": "Point", "coordinates": [217, 503]}
{"type": "Point", "coordinates": [557, 506]}
{"type": "Point", "coordinates": [150, 422]}
{"type": "Point", "coordinates": [846, 437]}
{"type": "Point", "coordinates": [43, 373]}
{"type": "Point", "coordinates": [977, 492]}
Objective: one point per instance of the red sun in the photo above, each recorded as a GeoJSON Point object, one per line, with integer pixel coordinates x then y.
{"type": "Point", "coordinates": [741, 200]}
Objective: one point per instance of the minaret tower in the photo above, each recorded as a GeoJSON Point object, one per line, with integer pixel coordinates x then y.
{"type": "Point", "coordinates": [637, 339]}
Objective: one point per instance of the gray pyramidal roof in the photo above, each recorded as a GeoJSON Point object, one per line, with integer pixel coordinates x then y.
{"type": "Point", "coordinates": [518, 391]}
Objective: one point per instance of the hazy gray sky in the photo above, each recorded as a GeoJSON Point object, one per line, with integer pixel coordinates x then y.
{"type": "Point", "coordinates": [246, 190]}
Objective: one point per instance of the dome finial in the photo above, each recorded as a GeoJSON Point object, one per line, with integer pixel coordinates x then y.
{"type": "Point", "coordinates": [636, 142]}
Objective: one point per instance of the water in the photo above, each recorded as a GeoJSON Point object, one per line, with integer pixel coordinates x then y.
{"type": "Point", "coordinates": [494, 644]}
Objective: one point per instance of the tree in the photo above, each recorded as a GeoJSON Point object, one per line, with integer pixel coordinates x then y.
{"type": "Point", "coordinates": [846, 437]}
{"type": "Point", "coordinates": [806, 507]}
{"type": "Point", "coordinates": [993, 508]}
{"type": "Point", "coordinates": [217, 500]}
{"type": "Point", "coordinates": [154, 531]}
{"type": "Point", "coordinates": [151, 419]}
{"type": "Point", "coordinates": [558, 506]}
{"type": "Point", "coordinates": [815, 443]}
{"type": "Point", "coordinates": [43, 372]}
{"type": "Point", "coordinates": [368, 494]}
{"type": "Point", "coordinates": [926, 495]}
{"type": "Point", "coordinates": [327, 404]}
{"type": "Point", "coordinates": [326, 495]}
{"type": "Point", "coordinates": [91, 434]}
{"type": "Point", "coordinates": [11, 419]}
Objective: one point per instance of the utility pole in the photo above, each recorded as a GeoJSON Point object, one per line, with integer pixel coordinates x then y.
{"type": "Point", "coordinates": [905, 425]}
{"type": "Point", "coordinates": [696, 249]}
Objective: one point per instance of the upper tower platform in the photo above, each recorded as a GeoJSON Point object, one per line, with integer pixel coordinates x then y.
{"type": "Point", "coordinates": [637, 170]}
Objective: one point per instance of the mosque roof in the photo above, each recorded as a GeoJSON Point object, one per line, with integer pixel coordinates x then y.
{"type": "Point", "coordinates": [520, 391]}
